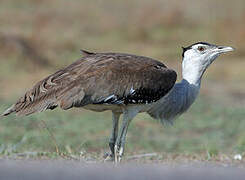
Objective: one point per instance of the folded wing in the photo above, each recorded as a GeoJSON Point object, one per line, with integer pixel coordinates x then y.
{"type": "Point", "coordinates": [99, 78]}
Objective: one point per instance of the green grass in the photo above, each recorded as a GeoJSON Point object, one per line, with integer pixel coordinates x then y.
{"type": "Point", "coordinates": [207, 127]}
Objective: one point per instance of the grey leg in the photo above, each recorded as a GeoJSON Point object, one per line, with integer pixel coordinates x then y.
{"type": "Point", "coordinates": [121, 139]}
{"type": "Point", "coordinates": [114, 132]}
{"type": "Point", "coordinates": [115, 119]}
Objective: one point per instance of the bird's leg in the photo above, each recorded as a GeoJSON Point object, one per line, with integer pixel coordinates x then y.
{"type": "Point", "coordinates": [114, 132]}
{"type": "Point", "coordinates": [121, 139]}
{"type": "Point", "coordinates": [119, 147]}
{"type": "Point", "coordinates": [115, 119]}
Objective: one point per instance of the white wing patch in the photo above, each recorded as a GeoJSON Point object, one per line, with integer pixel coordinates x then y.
{"type": "Point", "coordinates": [110, 97]}
{"type": "Point", "coordinates": [132, 91]}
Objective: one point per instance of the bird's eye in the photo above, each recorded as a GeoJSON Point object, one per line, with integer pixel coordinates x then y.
{"type": "Point", "coordinates": [201, 48]}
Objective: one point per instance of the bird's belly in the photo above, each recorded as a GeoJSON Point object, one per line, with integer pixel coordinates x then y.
{"type": "Point", "coordinates": [104, 107]}
{"type": "Point", "coordinates": [117, 108]}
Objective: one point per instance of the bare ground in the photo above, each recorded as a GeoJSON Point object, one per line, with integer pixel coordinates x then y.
{"type": "Point", "coordinates": [60, 169]}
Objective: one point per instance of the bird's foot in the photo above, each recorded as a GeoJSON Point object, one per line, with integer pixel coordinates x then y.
{"type": "Point", "coordinates": [109, 157]}
{"type": "Point", "coordinates": [118, 154]}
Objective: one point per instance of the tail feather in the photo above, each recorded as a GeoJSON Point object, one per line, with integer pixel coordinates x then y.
{"type": "Point", "coordinates": [59, 89]}
{"type": "Point", "coordinates": [8, 111]}
{"type": "Point", "coordinates": [36, 107]}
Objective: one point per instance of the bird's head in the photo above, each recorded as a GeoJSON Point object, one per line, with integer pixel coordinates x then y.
{"type": "Point", "coordinates": [197, 57]}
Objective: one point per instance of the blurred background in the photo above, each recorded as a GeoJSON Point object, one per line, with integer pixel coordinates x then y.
{"type": "Point", "coordinates": [37, 37]}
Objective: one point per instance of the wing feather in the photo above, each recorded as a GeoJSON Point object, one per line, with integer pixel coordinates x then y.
{"type": "Point", "coordinates": [98, 78]}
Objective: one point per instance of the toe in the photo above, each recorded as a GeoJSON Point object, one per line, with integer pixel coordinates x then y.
{"type": "Point", "coordinates": [109, 157]}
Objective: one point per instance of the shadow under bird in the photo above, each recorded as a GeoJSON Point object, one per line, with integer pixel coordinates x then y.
{"type": "Point", "coordinates": [125, 84]}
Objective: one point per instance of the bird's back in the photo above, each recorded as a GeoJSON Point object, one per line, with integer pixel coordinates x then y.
{"type": "Point", "coordinates": [99, 78]}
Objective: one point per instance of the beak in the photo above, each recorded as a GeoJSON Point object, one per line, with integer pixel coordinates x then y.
{"type": "Point", "coordinates": [223, 49]}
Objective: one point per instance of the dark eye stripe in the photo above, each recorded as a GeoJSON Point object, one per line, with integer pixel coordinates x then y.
{"type": "Point", "coordinates": [189, 47]}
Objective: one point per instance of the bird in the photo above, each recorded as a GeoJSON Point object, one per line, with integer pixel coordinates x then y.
{"type": "Point", "coordinates": [125, 84]}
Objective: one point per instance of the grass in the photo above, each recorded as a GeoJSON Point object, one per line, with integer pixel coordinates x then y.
{"type": "Point", "coordinates": [207, 128]}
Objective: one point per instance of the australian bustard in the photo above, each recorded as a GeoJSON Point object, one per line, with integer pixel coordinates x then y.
{"type": "Point", "coordinates": [125, 84]}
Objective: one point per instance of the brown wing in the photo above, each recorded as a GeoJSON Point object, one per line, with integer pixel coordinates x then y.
{"type": "Point", "coordinates": [129, 79]}
{"type": "Point", "coordinates": [99, 78]}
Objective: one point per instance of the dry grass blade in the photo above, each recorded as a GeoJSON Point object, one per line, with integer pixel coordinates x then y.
{"type": "Point", "coordinates": [52, 136]}
{"type": "Point", "coordinates": [64, 156]}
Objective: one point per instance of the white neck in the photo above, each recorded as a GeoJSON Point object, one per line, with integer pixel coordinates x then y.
{"type": "Point", "coordinates": [193, 72]}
